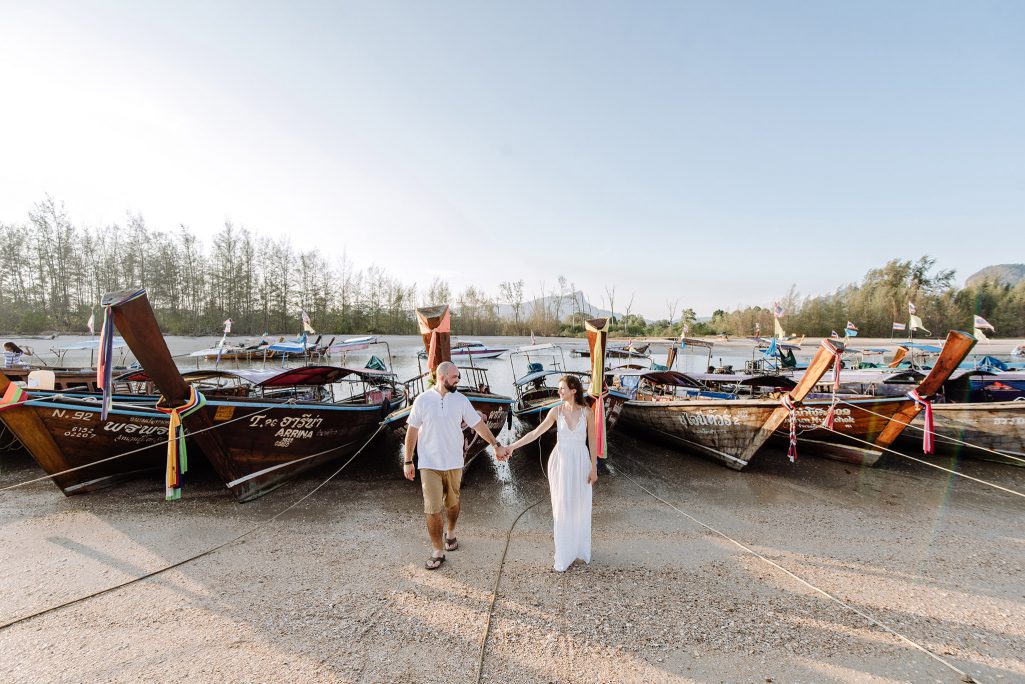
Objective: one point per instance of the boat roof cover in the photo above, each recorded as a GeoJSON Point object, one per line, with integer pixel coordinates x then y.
{"type": "Point", "coordinates": [89, 344]}
{"type": "Point", "coordinates": [537, 375]}
{"type": "Point", "coordinates": [536, 347]}
{"type": "Point", "coordinates": [673, 378]}
{"type": "Point", "coordinates": [746, 380]}
{"type": "Point", "coordinates": [302, 375]}
{"type": "Point", "coordinates": [932, 348]}
{"type": "Point", "coordinates": [353, 344]}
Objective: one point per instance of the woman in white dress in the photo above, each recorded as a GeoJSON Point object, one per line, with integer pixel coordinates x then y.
{"type": "Point", "coordinates": [572, 469]}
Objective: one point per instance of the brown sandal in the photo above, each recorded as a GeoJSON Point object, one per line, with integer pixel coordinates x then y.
{"type": "Point", "coordinates": [434, 562]}
{"type": "Point", "coordinates": [451, 543]}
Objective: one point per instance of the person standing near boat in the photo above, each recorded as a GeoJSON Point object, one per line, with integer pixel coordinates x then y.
{"type": "Point", "coordinates": [12, 355]}
{"type": "Point", "coordinates": [572, 470]}
{"type": "Point", "coordinates": [435, 430]}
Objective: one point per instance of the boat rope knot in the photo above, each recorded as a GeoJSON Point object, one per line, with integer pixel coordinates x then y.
{"type": "Point", "coordinates": [177, 456]}
{"type": "Point", "coordinates": [788, 404]}
{"type": "Point", "coordinates": [927, 436]}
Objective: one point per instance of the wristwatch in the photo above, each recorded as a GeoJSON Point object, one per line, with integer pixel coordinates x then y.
{"type": "Point", "coordinates": [405, 463]}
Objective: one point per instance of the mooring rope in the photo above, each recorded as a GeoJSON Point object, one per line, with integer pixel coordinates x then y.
{"type": "Point", "coordinates": [965, 677]}
{"type": "Point", "coordinates": [209, 551]}
{"type": "Point", "coordinates": [501, 567]}
{"type": "Point", "coordinates": [873, 445]}
{"type": "Point", "coordinates": [945, 438]}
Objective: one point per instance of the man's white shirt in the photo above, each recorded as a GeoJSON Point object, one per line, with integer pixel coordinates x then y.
{"type": "Point", "coordinates": [440, 421]}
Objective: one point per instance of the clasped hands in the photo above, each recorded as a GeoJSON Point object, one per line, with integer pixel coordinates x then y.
{"type": "Point", "coordinates": [502, 453]}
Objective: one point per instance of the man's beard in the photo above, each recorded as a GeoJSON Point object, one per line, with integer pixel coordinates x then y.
{"type": "Point", "coordinates": [450, 387]}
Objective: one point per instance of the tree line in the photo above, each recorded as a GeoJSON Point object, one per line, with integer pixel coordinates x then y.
{"type": "Point", "coordinates": [881, 299]}
{"type": "Point", "coordinates": [56, 273]}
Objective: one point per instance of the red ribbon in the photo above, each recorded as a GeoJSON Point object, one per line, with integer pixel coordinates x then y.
{"type": "Point", "coordinates": [927, 437]}
{"type": "Point", "coordinates": [789, 405]}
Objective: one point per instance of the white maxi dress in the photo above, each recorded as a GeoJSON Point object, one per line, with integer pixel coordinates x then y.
{"type": "Point", "coordinates": [568, 468]}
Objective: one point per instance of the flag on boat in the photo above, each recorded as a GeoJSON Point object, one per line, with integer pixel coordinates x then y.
{"type": "Point", "coordinates": [91, 323]}
{"type": "Point", "coordinates": [307, 326]}
{"type": "Point", "coordinates": [778, 329]}
{"type": "Point", "coordinates": [851, 330]}
{"type": "Point", "coordinates": [532, 340]}
{"type": "Point", "coordinates": [777, 310]}
{"type": "Point", "coordinates": [911, 308]}
{"type": "Point", "coordinates": [227, 326]}
{"type": "Point", "coordinates": [979, 335]}
{"type": "Point", "coordinates": [916, 324]}
{"type": "Point", "coordinates": [686, 330]}
{"type": "Point", "coordinates": [899, 326]}
{"type": "Point", "coordinates": [758, 329]}
{"type": "Point", "coordinates": [835, 335]}
{"type": "Point", "coordinates": [981, 323]}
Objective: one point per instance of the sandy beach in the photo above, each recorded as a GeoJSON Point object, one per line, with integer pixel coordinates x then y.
{"type": "Point", "coordinates": [335, 590]}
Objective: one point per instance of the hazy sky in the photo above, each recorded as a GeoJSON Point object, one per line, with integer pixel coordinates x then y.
{"type": "Point", "coordinates": [711, 152]}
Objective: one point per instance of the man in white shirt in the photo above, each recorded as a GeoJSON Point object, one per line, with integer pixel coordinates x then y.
{"type": "Point", "coordinates": [435, 430]}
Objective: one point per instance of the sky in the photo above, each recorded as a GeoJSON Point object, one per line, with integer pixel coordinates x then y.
{"type": "Point", "coordinates": [711, 153]}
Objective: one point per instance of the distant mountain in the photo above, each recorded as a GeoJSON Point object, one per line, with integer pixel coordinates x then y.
{"type": "Point", "coordinates": [566, 307]}
{"type": "Point", "coordinates": [1007, 274]}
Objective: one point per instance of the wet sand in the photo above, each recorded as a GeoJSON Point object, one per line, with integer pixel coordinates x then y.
{"type": "Point", "coordinates": [335, 590]}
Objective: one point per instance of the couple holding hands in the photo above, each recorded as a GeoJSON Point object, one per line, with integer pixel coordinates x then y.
{"type": "Point", "coordinates": [435, 431]}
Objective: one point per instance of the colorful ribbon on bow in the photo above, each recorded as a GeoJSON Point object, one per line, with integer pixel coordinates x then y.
{"type": "Point", "coordinates": [433, 353]}
{"type": "Point", "coordinates": [105, 364]}
{"type": "Point", "coordinates": [927, 443]}
{"type": "Point", "coordinates": [13, 396]}
{"type": "Point", "coordinates": [828, 422]}
{"type": "Point", "coordinates": [597, 331]}
{"type": "Point", "coordinates": [177, 456]}
{"type": "Point", "coordinates": [788, 404]}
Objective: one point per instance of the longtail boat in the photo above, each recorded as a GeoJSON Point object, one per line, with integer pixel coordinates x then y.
{"type": "Point", "coordinates": [990, 431]}
{"type": "Point", "coordinates": [254, 443]}
{"type": "Point", "coordinates": [435, 328]}
{"type": "Point", "coordinates": [83, 441]}
{"type": "Point", "coordinates": [874, 422]}
{"type": "Point", "coordinates": [730, 431]}
{"type": "Point", "coordinates": [63, 432]}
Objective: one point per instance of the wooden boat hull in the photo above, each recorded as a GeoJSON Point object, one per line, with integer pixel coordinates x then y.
{"type": "Point", "coordinates": [999, 426]}
{"type": "Point", "coordinates": [726, 431]}
{"type": "Point", "coordinates": [83, 440]}
{"type": "Point", "coordinates": [861, 419]}
{"type": "Point", "coordinates": [265, 443]}
{"type": "Point", "coordinates": [493, 408]}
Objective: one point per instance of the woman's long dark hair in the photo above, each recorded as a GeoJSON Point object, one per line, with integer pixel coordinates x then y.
{"type": "Point", "coordinates": [573, 382]}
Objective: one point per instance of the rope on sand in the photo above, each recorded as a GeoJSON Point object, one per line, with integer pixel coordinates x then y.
{"type": "Point", "coordinates": [944, 438]}
{"type": "Point", "coordinates": [209, 551]}
{"type": "Point", "coordinates": [501, 566]}
{"type": "Point", "coordinates": [965, 677]}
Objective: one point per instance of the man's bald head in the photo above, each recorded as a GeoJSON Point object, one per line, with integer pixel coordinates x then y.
{"type": "Point", "coordinates": [448, 375]}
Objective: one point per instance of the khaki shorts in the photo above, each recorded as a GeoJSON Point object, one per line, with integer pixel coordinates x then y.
{"type": "Point", "coordinates": [441, 489]}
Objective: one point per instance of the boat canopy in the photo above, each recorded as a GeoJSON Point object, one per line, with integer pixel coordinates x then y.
{"type": "Point", "coordinates": [289, 377]}
{"type": "Point", "coordinates": [536, 347]}
{"type": "Point", "coordinates": [88, 344]}
{"type": "Point", "coordinates": [673, 378]}
{"type": "Point", "coordinates": [537, 375]}
{"type": "Point", "coordinates": [745, 380]}
{"type": "Point", "coordinates": [353, 344]}
{"type": "Point", "coordinates": [931, 348]}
